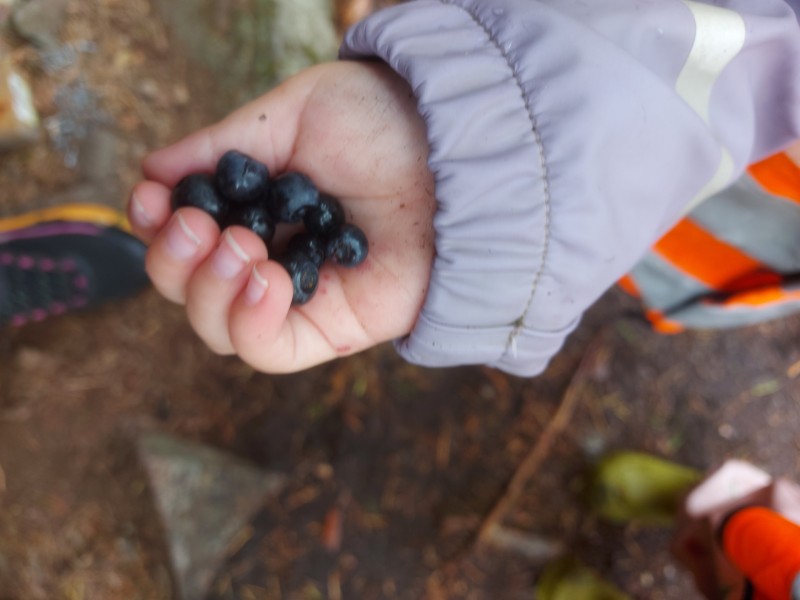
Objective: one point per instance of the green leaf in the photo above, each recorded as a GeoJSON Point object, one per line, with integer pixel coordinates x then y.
{"type": "Point", "coordinates": [632, 486]}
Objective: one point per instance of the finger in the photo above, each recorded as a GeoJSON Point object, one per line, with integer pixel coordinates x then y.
{"type": "Point", "coordinates": [259, 325]}
{"type": "Point", "coordinates": [216, 283]}
{"type": "Point", "coordinates": [149, 209]}
{"type": "Point", "coordinates": [178, 249]}
{"type": "Point", "coordinates": [311, 334]}
{"type": "Point", "coordinates": [265, 129]}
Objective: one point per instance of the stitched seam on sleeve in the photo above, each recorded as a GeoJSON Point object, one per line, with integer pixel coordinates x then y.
{"type": "Point", "coordinates": [519, 323]}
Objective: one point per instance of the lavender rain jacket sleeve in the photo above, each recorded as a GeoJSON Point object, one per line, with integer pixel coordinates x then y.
{"type": "Point", "coordinates": [566, 137]}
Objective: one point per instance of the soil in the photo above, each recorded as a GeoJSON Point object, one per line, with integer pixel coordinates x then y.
{"type": "Point", "coordinates": [392, 469]}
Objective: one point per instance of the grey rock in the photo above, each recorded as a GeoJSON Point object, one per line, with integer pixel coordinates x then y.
{"type": "Point", "coordinates": [39, 21]}
{"type": "Point", "coordinates": [205, 498]}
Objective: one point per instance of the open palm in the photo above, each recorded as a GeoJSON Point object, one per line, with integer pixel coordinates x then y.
{"type": "Point", "coordinates": [354, 129]}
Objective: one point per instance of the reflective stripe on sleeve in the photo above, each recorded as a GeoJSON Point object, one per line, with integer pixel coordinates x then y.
{"type": "Point", "coordinates": [719, 36]}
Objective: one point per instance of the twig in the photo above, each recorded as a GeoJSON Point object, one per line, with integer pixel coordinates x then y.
{"type": "Point", "coordinates": [539, 452]}
{"type": "Point", "coordinates": [535, 548]}
{"type": "Point", "coordinates": [491, 530]}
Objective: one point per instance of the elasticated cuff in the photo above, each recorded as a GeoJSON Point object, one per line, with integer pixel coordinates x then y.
{"type": "Point", "coordinates": [492, 217]}
{"type": "Point", "coordinates": [526, 354]}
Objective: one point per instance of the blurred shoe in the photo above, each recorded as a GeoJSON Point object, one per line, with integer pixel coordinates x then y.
{"type": "Point", "coordinates": [71, 257]}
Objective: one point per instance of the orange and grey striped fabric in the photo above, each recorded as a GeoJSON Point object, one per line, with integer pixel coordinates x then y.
{"type": "Point", "coordinates": [734, 260]}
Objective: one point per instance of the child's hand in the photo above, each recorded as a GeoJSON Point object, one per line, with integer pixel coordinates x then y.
{"type": "Point", "coordinates": [354, 129]}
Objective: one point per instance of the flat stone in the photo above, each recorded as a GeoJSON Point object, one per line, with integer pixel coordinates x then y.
{"type": "Point", "coordinates": [19, 121]}
{"type": "Point", "coordinates": [205, 498]}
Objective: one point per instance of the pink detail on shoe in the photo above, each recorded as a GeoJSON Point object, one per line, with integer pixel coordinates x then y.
{"type": "Point", "coordinates": [81, 282]}
{"type": "Point", "coordinates": [18, 320]}
{"type": "Point", "coordinates": [38, 314]}
{"type": "Point", "coordinates": [6, 259]}
{"type": "Point", "coordinates": [26, 262]}
{"type": "Point", "coordinates": [58, 308]}
{"type": "Point", "coordinates": [47, 264]}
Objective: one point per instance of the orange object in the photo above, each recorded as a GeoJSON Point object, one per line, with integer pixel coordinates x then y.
{"type": "Point", "coordinates": [735, 283]}
{"type": "Point", "coordinates": [765, 547]}
{"type": "Point", "coordinates": [778, 175]}
{"type": "Point", "coordinates": [763, 297]}
{"type": "Point", "coordinates": [662, 324]}
{"type": "Point", "coordinates": [629, 286]}
{"type": "Point", "coordinates": [720, 266]}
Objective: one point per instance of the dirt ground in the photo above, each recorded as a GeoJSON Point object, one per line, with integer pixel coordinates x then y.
{"type": "Point", "coordinates": [391, 469]}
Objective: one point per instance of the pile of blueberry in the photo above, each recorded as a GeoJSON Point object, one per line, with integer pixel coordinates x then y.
{"type": "Point", "coordinates": [241, 192]}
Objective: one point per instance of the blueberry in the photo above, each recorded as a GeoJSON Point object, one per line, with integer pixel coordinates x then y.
{"type": "Point", "coordinates": [198, 190]}
{"type": "Point", "coordinates": [325, 217]}
{"type": "Point", "coordinates": [309, 245]}
{"type": "Point", "coordinates": [291, 195]}
{"type": "Point", "coordinates": [347, 246]}
{"type": "Point", "coordinates": [304, 274]}
{"type": "Point", "coordinates": [255, 217]}
{"type": "Point", "coordinates": [240, 178]}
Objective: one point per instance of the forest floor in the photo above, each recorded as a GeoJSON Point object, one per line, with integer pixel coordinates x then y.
{"type": "Point", "coordinates": [389, 472]}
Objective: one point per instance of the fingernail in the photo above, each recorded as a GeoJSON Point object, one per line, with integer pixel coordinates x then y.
{"type": "Point", "coordinates": [181, 241]}
{"type": "Point", "coordinates": [139, 215]}
{"type": "Point", "coordinates": [256, 287]}
{"type": "Point", "coordinates": [229, 259]}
